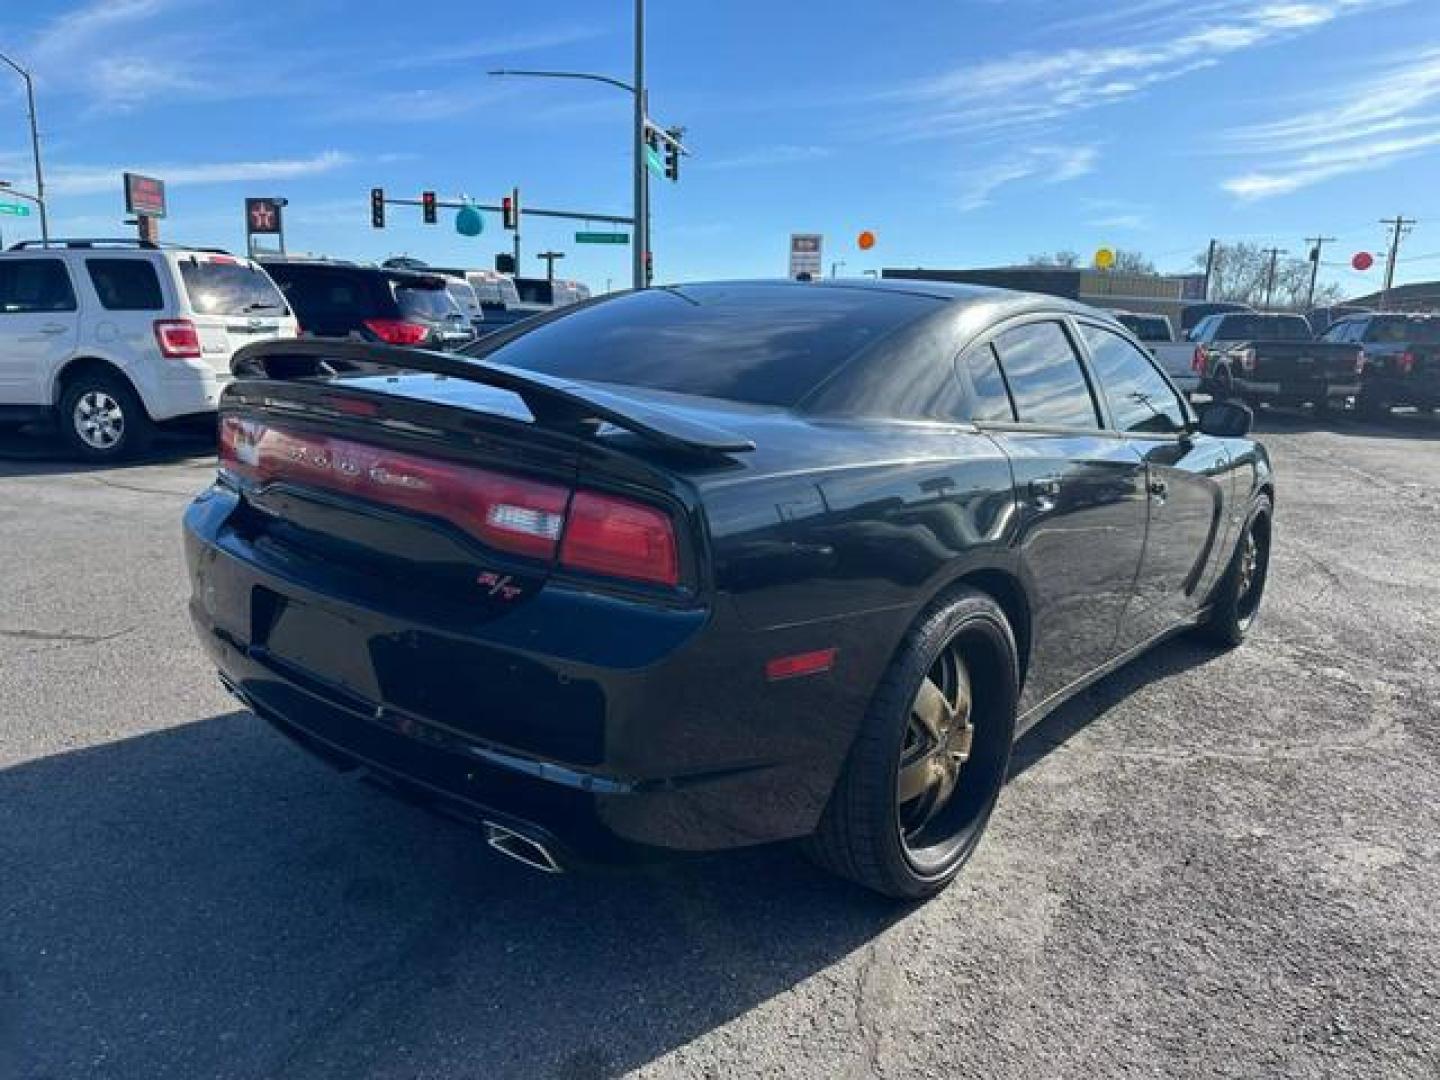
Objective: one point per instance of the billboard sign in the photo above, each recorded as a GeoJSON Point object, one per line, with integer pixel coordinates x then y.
{"type": "Point", "coordinates": [263, 216]}
{"type": "Point", "coordinates": [806, 255]}
{"type": "Point", "coordinates": [144, 196]}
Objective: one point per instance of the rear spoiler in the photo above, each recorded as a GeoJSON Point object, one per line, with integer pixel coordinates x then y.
{"type": "Point", "coordinates": [552, 402]}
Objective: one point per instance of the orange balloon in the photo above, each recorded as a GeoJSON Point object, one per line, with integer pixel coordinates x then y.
{"type": "Point", "coordinates": [866, 240]}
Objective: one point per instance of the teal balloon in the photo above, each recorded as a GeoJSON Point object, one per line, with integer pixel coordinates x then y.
{"type": "Point", "coordinates": [469, 221]}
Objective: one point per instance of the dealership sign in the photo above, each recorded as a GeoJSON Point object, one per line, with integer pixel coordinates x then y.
{"type": "Point", "coordinates": [144, 195]}
{"type": "Point", "coordinates": [263, 215]}
{"type": "Point", "coordinates": [805, 254]}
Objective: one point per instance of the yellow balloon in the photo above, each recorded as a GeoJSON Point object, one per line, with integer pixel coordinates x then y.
{"type": "Point", "coordinates": [1104, 258]}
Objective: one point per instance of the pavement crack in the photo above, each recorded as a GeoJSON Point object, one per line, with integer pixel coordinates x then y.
{"type": "Point", "coordinates": [63, 637]}
{"type": "Point", "coordinates": [867, 1024]}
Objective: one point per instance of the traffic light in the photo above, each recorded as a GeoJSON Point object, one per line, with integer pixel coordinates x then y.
{"type": "Point", "coordinates": [510, 209]}
{"type": "Point", "coordinates": [649, 267]}
{"type": "Point", "coordinates": [377, 207]}
{"type": "Point", "coordinates": [427, 207]}
{"type": "Point", "coordinates": [672, 157]}
{"type": "Point", "coordinates": [505, 263]}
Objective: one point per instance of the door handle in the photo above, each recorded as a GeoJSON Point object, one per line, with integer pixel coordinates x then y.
{"type": "Point", "coordinates": [1044, 492]}
{"type": "Point", "coordinates": [51, 328]}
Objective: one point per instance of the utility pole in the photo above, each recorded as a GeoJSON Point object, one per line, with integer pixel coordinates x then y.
{"type": "Point", "coordinates": [1274, 254]}
{"type": "Point", "coordinates": [1317, 243]}
{"type": "Point", "coordinates": [1400, 226]}
{"type": "Point", "coordinates": [34, 146]}
{"type": "Point", "coordinates": [550, 257]}
{"type": "Point", "coordinates": [1209, 267]}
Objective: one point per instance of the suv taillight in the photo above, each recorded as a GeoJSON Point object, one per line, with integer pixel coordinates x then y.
{"type": "Point", "coordinates": [594, 532]}
{"type": "Point", "coordinates": [1197, 362]}
{"type": "Point", "coordinates": [1406, 362]}
{"type": "Point", "coordinates": [397, 331]}
{"type": "Point", "coordinates": [178, 339]}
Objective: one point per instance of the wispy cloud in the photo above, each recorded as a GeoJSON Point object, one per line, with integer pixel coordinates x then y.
{"type": "Point", "coordinates": [489, 48]}
{"type": "Point", "coordinates": [1051, 165]}
{"type": "Point", "coordinates": [1030, 89]}
{"type": "Point", "coordinates": [764, 156]}
{"type": "Point", "coordinates": [93, 179]}
{"type": "Point", "coordinates": [1369, 125]}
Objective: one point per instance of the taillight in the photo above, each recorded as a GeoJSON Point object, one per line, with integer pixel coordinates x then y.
{"type": "Point", "coordinates": [397, 331]}
{"type": "Point", "coordinates": [509, 513]}
{"type": "Point", "coordinates": [1197, 362]}
{"type": "Point", "coordinates": [1247, 359]}
{"type": "Point", "coordinates": [1406, 362]}
{"type": "Point", "coordinates": [178, 339]}
{"type": "Point", "coordinates": [620, 538]}
{"type": "Point", "coordinates": [602, 534]}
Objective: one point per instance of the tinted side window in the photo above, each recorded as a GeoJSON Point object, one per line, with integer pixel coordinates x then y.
{"type": "Point", "coordinates": [125, 284]}
{"type": "Point", "coordinates": [1140, 398]}
{"type": "Point", "coordinates": [988, 396]}
{"type": "Point", "coordinates": [323, 294]}
{"type": "Point", "coordinates": [1045, 377]}
{"type": "Point", "coordinates": [28, 285]}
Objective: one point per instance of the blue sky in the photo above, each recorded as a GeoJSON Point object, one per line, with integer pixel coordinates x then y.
{"type": "Point", "coordinates": [964, 132]}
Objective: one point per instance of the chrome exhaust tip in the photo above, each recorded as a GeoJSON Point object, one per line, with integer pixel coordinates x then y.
{"type": "Point", "coordinates": [521, 848]}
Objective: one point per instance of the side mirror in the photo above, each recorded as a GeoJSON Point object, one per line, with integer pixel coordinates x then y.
{"type": "Point", "coordinates": [1226, 419]}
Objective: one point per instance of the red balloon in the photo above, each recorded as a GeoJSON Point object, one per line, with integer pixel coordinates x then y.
{"type": "Point", "coordinates": [1363, 260]}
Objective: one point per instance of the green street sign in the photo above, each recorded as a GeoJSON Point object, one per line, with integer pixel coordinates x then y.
{"type": "Point", "coordinates": [653, 162]}
{"type": "Point", "coordinates": [14, 209]}
{"type": "Point", "coordinates": [602, 238]}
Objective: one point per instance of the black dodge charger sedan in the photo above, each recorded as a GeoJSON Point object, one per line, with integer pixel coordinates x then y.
{"type": "Point", "coordinates": [714, 565]}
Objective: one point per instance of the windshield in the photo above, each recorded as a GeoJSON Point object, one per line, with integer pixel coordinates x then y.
{"type": "Point", "coordinates": [226, 286]}
{"type": "Point", "coordinates": [759, 344]}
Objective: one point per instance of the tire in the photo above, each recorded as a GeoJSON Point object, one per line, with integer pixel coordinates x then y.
{"type": "Point", "coordinates": [102, 419]}
{"type": "Point", "coordinates": [1238, 596]}
{"type": "Point", "coordinates": [913, 848]}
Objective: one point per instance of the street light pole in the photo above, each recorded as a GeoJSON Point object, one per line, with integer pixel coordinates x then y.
{"type": "Point", "coordinates": [34, 146]}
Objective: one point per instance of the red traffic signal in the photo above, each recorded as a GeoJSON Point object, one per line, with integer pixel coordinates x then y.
{"type": "Point", "coordinates": [510, 209]}
{"type": "Point", "coordinates": [427, 207]}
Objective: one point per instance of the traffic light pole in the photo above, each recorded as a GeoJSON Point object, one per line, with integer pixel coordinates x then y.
{"type": "Point", "coordinates": [640, 248]}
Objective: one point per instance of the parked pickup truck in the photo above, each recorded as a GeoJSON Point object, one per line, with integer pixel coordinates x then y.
{"type": "Point", "coordinates": [1273, 358]}
{"type": "Point", "coordinates": [1177, 358]}
{"type": "Point", "coordinates": [1400, 359]}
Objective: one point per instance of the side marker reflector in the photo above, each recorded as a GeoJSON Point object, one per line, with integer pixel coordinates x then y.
{"type": "Point", "coordinates": [790, 667]}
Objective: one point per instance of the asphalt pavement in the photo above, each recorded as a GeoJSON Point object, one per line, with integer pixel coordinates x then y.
{"type": "Point", "coordinates": [1211, 864]}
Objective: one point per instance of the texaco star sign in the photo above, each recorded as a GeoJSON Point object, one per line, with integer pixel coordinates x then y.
{"type": "Point", "coordinates": [262, 217]}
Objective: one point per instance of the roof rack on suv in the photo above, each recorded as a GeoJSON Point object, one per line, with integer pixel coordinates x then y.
{"type": "Point", "coordinates": [109, 242]}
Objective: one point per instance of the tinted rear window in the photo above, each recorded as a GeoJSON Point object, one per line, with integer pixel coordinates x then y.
{"type": "Point", "coordinates": [1247, 327]}
{"type": "Point", "coordinates": [1146, 327]}
{"type": "Point", "coordinates": [318, 293]}
{"type": "Point", "coordinates": [766, 345]}
{"type": "Point", "coordinates": [126, 284]}
{"type": "Point", "coordinates": [1416, 330]}
{"type": "Point", "coordinates": [535, 291]}
{"type": "Point", "coordinates": [417, 302]}
{"type": "Point", "coordinates": [229, 288]}
{"type": "Point", "coordinates": [1044, 375]}
{"type": "Point", "coordinates": [465, 297]}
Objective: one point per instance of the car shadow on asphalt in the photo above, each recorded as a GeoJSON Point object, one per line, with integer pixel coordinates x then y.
{"type": "Point", "coordinates": [1174, 657]}
{"type": "Point", "coordinates": [1398, 425]}
{"type": "Point", "coordinates": [205, 901]}
{"type": "Point", "coordinates": [39, 451]}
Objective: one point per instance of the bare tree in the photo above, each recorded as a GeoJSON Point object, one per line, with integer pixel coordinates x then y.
{"type": "Point", "coordinates": [1240, 271]}
{"type": "Point", "coordinates": [1126, 262]}
{"type": "Point", "coordinates": [1059, 258]}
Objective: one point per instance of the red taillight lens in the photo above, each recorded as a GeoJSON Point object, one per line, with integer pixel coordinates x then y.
{"type": "Point", "coordinates": [1197, 362]}
{"type": "Point", "coordinates": [509, 513]}
{"type": "Point", "coordinates": [397, 331]}
{"type": "Point", "coordinates": [620, 538]}
{"type": "Point", "coordinates": [603, 534]}
{"type": "Point", "coordinates": [178, 339]}
{"type": "Point", "coordinates": [1406, 363]}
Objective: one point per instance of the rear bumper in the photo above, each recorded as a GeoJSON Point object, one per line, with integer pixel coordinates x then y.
{"type": "Point", "coordinates": [661, 734]}
{"type": "Point", "coordinates": [1298, 389]}
{"type": "Point", "coordinates": [182, 388]}
{"type": "Point", "coordinates": [1422, 389]}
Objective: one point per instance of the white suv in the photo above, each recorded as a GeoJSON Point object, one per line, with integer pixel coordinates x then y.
{"type": "Point", "coordinates": [110, 337]}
